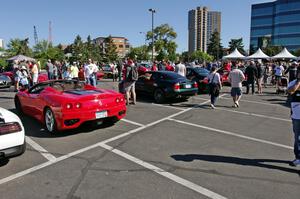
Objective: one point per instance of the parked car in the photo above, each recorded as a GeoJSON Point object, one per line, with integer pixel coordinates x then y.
{"type": "Point", "coordinates": [163, 85]}
{"type": "Point", "coordinates": [199, 75]}
{"type": "Point", "coordinates": [224, 76]}
{"type": "Point", "coordinates": [109, 72]}
{"type": "Point", "coordinates": [81, 77]}
{"type": "Point", "coordinates": [12, 135]}
{"type": "Point", "coordinates": [66, 104]}
{"type": "Point", "coordinates": [5, 81]}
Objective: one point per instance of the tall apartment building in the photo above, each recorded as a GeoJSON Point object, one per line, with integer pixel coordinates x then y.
{"type": "Point", "coordinates": [1, 43]}
{"type": "Point", "coordinates": [201, 24]}
{"type": "Point", "coordinates": [121, 44]}
{"type": "Point", "coordinates": [275, 23]}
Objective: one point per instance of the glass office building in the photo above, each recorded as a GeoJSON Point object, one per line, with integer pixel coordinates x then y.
{"type": "Point", "coordinates": [276, 23]}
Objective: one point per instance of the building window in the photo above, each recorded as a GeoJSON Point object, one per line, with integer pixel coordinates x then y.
{"type": "Point", "coordinates": [121, 46]}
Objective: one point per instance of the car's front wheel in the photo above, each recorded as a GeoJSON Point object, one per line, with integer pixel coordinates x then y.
{"type": "Point", "coordinates": [49, 120]}
{"type": "Point", "coordinates": [159, 96]}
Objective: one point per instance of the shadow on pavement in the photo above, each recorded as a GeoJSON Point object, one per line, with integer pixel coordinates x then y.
{"type": "Point", "coordinates": [236, 160]}
{"type": "Point", "coordinates": [34, 128]}
{"type": "Point", "coordinates": [3, 161]}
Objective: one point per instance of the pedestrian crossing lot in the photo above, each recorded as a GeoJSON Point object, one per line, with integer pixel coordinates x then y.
{"type": "Point", "coordinates": [181, 149]}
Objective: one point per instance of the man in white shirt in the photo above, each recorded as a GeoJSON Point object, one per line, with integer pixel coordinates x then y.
{"type": "Point", "coordinates": [180, 69]}
{"type": "Point", "coordinates": [279, 69]}
{"type": "Point", "coordinates": [236, 77]}
{"type": "Point", "coordinates": [90, 73]}
{"type": "Point", "coordinates": [294, 90]}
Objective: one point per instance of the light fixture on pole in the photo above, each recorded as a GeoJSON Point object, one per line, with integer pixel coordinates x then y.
{"type": "Point", "coordinates": [145, 36]}
{"type": "Point", "coordinates": [152, 12]}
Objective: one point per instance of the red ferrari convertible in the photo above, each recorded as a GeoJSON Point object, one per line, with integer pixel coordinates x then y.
{"type": "Point", "coordinates": [66, 104]}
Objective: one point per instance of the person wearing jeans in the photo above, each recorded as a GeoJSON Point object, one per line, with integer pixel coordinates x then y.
{"type": "Point", "coordinates": [294, 90]}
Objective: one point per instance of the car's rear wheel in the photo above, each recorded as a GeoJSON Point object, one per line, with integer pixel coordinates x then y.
{"type": "Point", "coordinates": [49, 120]}
{"type": "Point", "coordinates": [159, 96]}
{"type": "Point", "coordinates": [18, 106]}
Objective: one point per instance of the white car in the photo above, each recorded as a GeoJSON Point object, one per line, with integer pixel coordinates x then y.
{"type": "Point", "coordinates": [12, 135]}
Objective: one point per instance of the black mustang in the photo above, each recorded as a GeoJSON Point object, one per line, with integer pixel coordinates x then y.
{"type": "Point", "coordinates": [164, 85]}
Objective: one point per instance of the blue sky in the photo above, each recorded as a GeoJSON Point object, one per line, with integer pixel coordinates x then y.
{"type": "Point", "coordinates": [117, 18]}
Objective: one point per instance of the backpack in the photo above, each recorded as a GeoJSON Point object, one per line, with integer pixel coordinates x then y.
{"type": "Point", "coordinates": [132, 74]}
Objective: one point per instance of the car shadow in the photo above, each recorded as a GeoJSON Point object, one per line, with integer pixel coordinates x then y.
{"type": "Point", "coordinates": [262, 163]}
{"type": "Point", "coordinates": [34, 128]}
{"type": "Point", "coordinates": [7, 97]}
{"type": "Point", "coordinates": [3, 161]}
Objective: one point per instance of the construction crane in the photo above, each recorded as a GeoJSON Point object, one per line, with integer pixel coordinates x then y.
{"type": "Point", "coordinates": [50, 33]}
{"type": "Point", "coordinates": [36, 40]}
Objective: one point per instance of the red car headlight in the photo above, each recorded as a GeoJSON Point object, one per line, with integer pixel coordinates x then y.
{"type": "Point", "coordinates": [11, 127]}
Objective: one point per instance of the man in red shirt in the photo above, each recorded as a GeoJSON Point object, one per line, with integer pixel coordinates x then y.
{"type": "Point", "coordinates": [169, 67]}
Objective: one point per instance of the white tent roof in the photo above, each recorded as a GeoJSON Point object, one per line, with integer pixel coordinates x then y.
{"type": "Point", "coordinates": [259, 54]}
{"type": "Point", "coordinates": [234, 55]}
{"type": "Point", "coordinates": [21, 58]}
{"type": "Point", "coordinates": [284, 54]}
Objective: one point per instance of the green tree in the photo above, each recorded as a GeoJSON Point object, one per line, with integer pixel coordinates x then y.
{"type": "Point", "coordinates": [237, 43]}
{"type": "Point", "coordinates": [201, 56]}
{"type": "Point", "coordinates": [185, 56]}
{"type": "Point", "coordinates": [164, 44]}
{"type": "Point", "coordinates": [18, 46]}
{"type": "Point", "coordinates": [272, 50]}
{"type": "Point", "coordinates": [77, 49]}
{"type": "Point", "coordinates": [110, 50]}
{"type": "Point", "coordinates": [297, 52]}
{"type": "Point", "coordinates": [140, 53]}
{"type": "Point", "coordinates": [215, 47]}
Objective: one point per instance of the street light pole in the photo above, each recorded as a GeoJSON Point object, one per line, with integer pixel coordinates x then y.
{"type": "Point", "coordinates": [152, 12]}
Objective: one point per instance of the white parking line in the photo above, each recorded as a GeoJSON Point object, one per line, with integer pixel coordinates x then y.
{"type": "Point", "coordinates": [177, 179]}
{"type": "Point", "coordinates": [132, 122]}
{"type": "Point", "coordinates": [233, 134]}
{"type": "Point", "coordinates": [254, 102]}
{"type": "Point", "coordinates": [254, 114]}
{"type": "Point", "coordinates": [168, 106]}
{"type": "Point", "coordinates": [40, 149]}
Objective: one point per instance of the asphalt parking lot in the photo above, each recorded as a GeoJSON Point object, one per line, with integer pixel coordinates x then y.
{"type": "Point", "coordinates": [179, 150]}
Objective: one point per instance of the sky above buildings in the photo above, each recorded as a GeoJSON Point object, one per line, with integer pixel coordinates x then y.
{"type": "Point", "coordinates": [117, 18]}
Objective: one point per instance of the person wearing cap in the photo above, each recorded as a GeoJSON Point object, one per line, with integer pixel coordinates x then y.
{"type": "Point", "coordinates": [74, 71]}
{"type": "Point", "coordinates": [294, 90]}
{"type": "Point", "coordinates": [23, 75]}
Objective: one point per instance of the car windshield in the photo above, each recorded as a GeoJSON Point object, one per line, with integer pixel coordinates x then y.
{"type": "Point", "coordinates": [67, 85]}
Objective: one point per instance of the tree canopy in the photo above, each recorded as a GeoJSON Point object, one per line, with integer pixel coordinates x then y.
{"type": "Point", "coordinates": [237, 43]}
{"type": "Point", "coordinates": [215, 47]}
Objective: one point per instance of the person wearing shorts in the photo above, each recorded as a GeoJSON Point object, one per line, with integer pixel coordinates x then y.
{"type": "Point", "coordinates": [236, 77]}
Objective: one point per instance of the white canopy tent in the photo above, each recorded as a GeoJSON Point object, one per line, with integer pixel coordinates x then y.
{"type": "Point", "coordinates": [284, 54]}
{"type": "Point", "coordinates": [21, 58]}
{"type": "Point", "coordinates": [259, 54]}
{"type": "Point", "coordinates": [234, 55]}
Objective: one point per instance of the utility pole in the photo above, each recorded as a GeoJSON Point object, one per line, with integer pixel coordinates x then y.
{"type": "Point", "coordinates": [36, 40]}
{"type": "Point", "coordinates": [152, 12]}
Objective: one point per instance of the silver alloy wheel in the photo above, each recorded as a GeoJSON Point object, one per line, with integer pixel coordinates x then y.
{"type": "Point", "coordinates": [49, 120]}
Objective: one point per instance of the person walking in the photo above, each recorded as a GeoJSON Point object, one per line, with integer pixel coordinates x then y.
{"type": "Point", "coordinates": [259, 77]}
{"type": "Point", "coordinates": [215, 86]}
{"type": "Point", "coordinates": [119, 68]}
{"type": "Point", "coordinates": [16, 74]}
{"type": "Point", "coordinates": [294, 90]}
{"type": "Point", "coordinates": [278, 71]}
{"type": "Point", "coordinates": [251, 73]}
{"type": "Point", "coordinates": [236, 77]}
{"type": "Point", "coordinates": [131, 76]}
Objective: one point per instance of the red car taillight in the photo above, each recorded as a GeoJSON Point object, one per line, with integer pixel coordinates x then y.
{"type": "Point", "coordinates": [69, 106]}
{"type": "Point", "coordinates": [119, 100]}
{"type": "Point", "coordinates": [77, 105]}
{"type": "Point", "coordinates": [195, 85]}
{"type": "Point", "coordinates": [11, 127]}
{"type": "Point", "coordinates": [176, 86]}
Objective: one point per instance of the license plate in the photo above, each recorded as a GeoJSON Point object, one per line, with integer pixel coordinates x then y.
{"type": "Point", "coordinates": [188, 86]}
{"type": "Point", "coordinates": [101, 114]}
